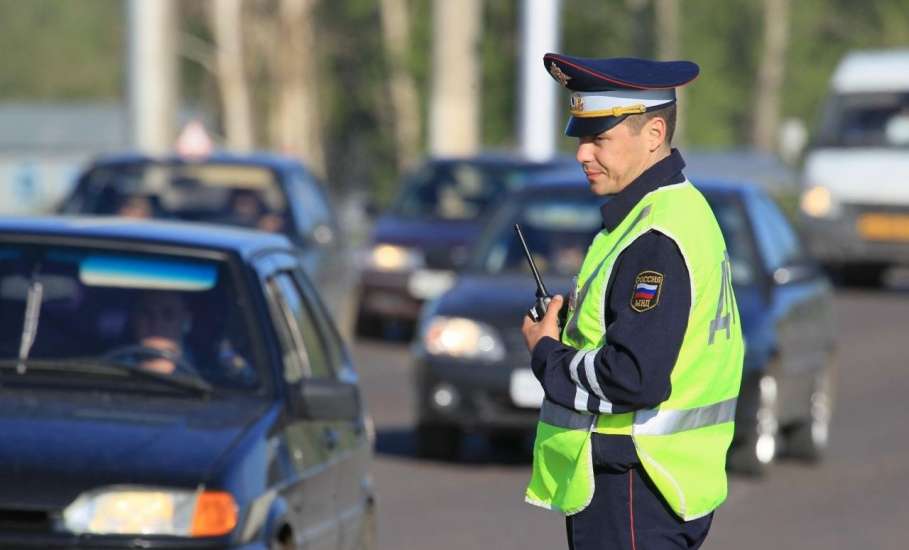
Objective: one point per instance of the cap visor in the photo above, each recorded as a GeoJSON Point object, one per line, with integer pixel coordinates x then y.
{"type": "Point", "coordinates": [580, 127]}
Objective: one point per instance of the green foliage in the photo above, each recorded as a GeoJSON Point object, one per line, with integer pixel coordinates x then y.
{"type": "Point", "coordinates": [55, 50]}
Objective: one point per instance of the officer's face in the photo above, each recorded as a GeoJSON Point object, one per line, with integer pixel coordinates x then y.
{"type": "Point", "coordinates": [613, 159]}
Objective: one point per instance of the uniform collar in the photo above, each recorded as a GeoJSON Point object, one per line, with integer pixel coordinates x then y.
{"type": "Point", "coordinates": [668, 171]}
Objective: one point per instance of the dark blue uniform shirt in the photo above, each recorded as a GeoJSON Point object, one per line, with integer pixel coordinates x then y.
{"type": "Point", "coordinates": [633, 370]}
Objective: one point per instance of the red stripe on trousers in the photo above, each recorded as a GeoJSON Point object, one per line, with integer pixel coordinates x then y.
{"type": "Point", "coordinates": [634, 545]}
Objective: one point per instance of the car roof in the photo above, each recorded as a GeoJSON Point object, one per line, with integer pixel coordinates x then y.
{"type": "Point", "coordinates": [557, 182]}
{"type": "Point", "coordinates": [872, 71]}
{"type": "Point", "coordinates": [506, 158]}
{"type": "Point", "coordinates": [267, 160]}
{"type": "Point", "coordinates": [243, 242]}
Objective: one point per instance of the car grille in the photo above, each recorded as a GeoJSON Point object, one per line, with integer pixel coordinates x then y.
{"type": "Point", "coordinates": [25, 520]}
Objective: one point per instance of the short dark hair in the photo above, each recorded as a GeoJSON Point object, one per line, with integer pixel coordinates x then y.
{"type": "Point", "coordinates": [667, 113]}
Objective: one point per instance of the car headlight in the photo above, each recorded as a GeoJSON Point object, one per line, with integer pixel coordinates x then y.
{"type": "Point", "coordinates": [391, 257]}
{"type": "Point", "coordinates": [464, 338]}
{"type": "Point", "coordinates": [144, 511]}
{"type": "Point", "coordinates": [817, 201]}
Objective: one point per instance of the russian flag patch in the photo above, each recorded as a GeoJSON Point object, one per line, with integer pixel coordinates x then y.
{"type": "Point", "coordinates": [647, 287]}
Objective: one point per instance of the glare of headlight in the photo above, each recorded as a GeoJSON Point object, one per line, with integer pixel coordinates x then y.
{"type": "Point", "coordinates": [817, 201]}
{"type": "Point", "coordinates": [389, 257]}
{"type": "Point", "coordinates": [460, 337]}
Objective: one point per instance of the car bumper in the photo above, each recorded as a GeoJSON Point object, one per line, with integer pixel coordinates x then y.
{"type": "Point", "coordinates": [387, 295]}
{"type": "Point", "coordinates": [481, 395]}
{"type": "Point", "coordinates": [839, 241]}
{"type": "Point", "coordinates": [51, 541]}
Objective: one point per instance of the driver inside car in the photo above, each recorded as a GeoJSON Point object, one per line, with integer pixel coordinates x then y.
{"type": "Point", "coordinates": [161, 320]}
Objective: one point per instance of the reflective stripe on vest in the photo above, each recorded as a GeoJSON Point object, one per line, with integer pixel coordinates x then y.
{"type": "Point", "coordinates": [646, 422]}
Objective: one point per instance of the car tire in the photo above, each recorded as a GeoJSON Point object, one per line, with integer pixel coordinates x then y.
{"type": "Point", "coordinates": [368, 325]}
{"type": "Point", "coordinates": [438, 441]}
{"type": "Point", "coordinates": [808, 439]}
{"type": "Point", "coordinates": [755, 452]}
{"type": "Point", "coordinates": [861, 275]}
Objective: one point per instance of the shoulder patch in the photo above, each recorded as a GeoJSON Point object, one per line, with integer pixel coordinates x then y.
{"type": "Point", "coordinates": [647, 288]}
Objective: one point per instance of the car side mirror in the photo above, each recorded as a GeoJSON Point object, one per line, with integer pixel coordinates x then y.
{"type": "Point", "coordinates": [326, 399]}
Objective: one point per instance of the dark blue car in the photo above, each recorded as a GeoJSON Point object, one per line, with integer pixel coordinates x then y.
{"type": "Point", "coordinates": [423, 238]}
{"type": "Point", "coordinates": [473, 366]}
{"type": "Point", "coordinates": [168, 385]}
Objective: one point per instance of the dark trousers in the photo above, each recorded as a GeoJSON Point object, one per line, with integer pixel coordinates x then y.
{"type": "Point", "coordinates": [628, 513]}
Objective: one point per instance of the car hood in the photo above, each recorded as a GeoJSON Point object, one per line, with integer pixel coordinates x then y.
{"type": "Point", "coordinates": [498, 300]}
{"type": "Point", "coordinates": [441, 241]}
{"type": "Point", "coordinates": [55, 446]}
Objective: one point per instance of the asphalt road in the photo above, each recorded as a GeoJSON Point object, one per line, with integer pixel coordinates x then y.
{"type": "Point", "coordinates": [857, 499]}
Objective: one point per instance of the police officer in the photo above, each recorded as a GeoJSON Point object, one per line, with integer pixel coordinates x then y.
{"type": "Point", "coordinates": [642, 377]}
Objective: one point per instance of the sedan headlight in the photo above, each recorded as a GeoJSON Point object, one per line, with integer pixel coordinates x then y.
{"type": "Point", "coordinates": [144, 511]}
{"type": "Point", "coordinates": [817, 201]}
{"type": "Point", "coordinates": [464, 338]}
{"type": "Point", "coordinates": [391, 257]}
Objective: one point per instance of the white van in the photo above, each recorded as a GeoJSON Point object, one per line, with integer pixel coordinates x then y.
{"type": "Point", "coordinates": [855, 197]}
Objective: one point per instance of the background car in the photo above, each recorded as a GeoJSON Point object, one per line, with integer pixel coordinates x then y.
{"type": "Point", "coordinates": [261, 191]}
{"type": "Point", "coordinates": [417, 245]}
{"type": "Point", "coordinates": [173, 385]}
{"type": "Point", "coordinates": [472, 365]}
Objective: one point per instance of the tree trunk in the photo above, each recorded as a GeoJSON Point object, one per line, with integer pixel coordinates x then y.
{"type": "Point", "coordinates": [405, 102]}
{"type": "Point", "coordinates": [455, 95]}
{"type": "Point", "coordinates": [296, 127]}
{"type": "Point", "coordinates": [668, 49]}
{"type": "Point", "coordinates": [770, 75]}
{"type": "Point", "coordinates": [225, 21]}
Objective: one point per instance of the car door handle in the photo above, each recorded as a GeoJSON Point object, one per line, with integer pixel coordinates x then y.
{"type": "Point", "coordinates": [330, 438]}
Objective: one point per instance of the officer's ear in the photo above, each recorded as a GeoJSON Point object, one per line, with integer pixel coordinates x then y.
{"type": "Point", "coordinates": [655, 132]}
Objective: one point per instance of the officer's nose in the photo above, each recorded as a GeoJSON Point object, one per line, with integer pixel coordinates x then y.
{"type": "Point", "coordinates": [585, 152]}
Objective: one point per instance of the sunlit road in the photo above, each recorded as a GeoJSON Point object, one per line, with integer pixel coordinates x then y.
{"type": "Point", "coordinates": [856, 500]}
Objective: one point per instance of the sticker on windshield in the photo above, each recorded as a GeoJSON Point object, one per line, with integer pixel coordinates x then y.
{"type": "Point", "coordinates": [647, 288]}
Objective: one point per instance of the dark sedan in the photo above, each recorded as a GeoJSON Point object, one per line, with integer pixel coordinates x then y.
{"type": "Point", "coordinates": [170, 385]}
{"type": "Point", "coordinates": [416, 246]}
{"type": "Point", "coordinates": [261, 191]}
{"type": "Point", "coordinates": [473, 367]}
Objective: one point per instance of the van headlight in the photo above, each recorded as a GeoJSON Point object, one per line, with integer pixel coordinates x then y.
{"type": "Point", "coordinates": [817, 201]}
{"type": "Point", "coordinates": [392, 257]}
{"type": "Point", "coordinates": [462, 338]}
{"type": "Point", "coordinates": [148, 511]}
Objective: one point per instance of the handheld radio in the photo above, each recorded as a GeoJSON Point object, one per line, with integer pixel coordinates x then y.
{"type": "Point", "coordinates": [538, 310]}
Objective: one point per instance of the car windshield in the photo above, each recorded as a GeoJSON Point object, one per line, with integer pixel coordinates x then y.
{"type": "Point", "coordinates": [730, 214]}
{"type": "Point", "coordinates": [558, 231]}
{"type": "Point", "coordinates": [67, 307]}
{"type": "Point", "coordinates": [457, 190]}
{"type": "Point", "coordinates": [232, 194]}
{"type": "Point", "coordinates": [866, 120]}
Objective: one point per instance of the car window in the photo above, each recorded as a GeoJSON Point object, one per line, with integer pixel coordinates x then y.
{"type": "Point", "coordinates": [557, 231]}
{"type": "Point", "coordinates": [457, 190]}
{"type": "Point", "coordinates": [169, 314]}
{"type": "Point", "coordinates": [733, 222]}
{"type": "Point", "coordinates": [316, 218]}
{"type": "Point", "coordinates": [230, 194]}
{"type": "Point", "coordinates": [305, 352]}
{"type": "Point", "coordinates": [865, 119]}
{"type": "Point", "coordinates": [777, 240]}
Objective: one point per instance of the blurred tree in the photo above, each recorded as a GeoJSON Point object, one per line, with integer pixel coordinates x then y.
{"type": "Point", "coordinates": [232, 81]}
{"type": "Point", "coordinates": [401, 86]}
{"type": "Point", "coordinates": [666, 32]}
{"type": "Point", "coordinates": [769, 82]}
{"type": "Point", "coordinates": [454, 95]}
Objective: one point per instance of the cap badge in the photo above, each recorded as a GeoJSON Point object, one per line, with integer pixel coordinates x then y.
{"type": "Point", "coordinates": [577, 103]}
{"type": "Point", "coordinates": [557, 73]}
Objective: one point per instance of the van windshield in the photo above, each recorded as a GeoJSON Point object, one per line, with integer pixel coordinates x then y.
{"type": "Point", "coordinates": [866, 120]}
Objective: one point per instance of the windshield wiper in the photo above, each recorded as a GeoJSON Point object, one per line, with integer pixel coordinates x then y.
{"type": "Point", "coordinates": [95, 366]}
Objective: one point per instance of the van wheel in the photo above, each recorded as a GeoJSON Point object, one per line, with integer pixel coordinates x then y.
{"type": "Point", "coordinates": [758, 449]}
{"type": "Point", "coordinates": [438, 441]}
{"type": "Point", "coordinates": [808, 440]}
{"type": "Point", "coordinates": [284, 540]}
{"type": "Point", "coordinates": [862, 275]}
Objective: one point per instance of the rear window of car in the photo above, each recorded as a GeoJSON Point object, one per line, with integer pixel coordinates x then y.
{"type": "Point", "coordinates": [231, 194]}
{"type": "Point", "coordinates": [96, 306]}
{"type": "Point", "coordinates": [457, 190]}
{"type": "Point", "coordinates": [733, 220]}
